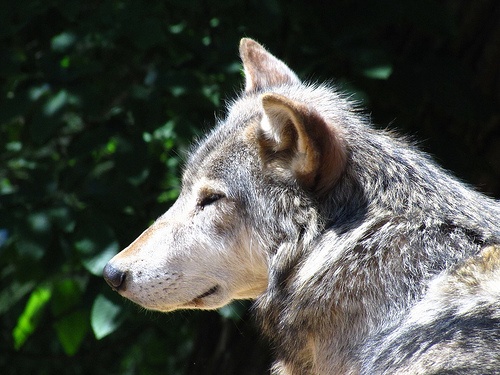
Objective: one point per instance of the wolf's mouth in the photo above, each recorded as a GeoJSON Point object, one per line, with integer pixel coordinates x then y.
{"type": "Point", "coordinates": [209, 292]}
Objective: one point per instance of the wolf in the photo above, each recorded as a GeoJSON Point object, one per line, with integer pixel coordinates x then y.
{"type": "Point", "coordinates": [362, 255]}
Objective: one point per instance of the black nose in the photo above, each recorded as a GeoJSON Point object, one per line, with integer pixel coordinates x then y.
{"type": "Point", "coordinates": [115, 278]}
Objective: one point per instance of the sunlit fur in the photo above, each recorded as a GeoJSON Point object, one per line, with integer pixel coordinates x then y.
{"type": "Point", "coordinates": [362, 254]}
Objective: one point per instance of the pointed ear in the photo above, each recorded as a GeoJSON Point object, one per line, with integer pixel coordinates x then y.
{"type": "Point", "coordinates": [263, 70]}
{"type": "Point", "coordinates": [297, 143]}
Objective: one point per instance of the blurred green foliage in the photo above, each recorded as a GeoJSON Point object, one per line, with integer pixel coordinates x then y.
{"type": "Point", "coordinates": [98, 103]}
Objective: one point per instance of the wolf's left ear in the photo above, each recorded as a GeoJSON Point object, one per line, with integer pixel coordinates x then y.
{"type": "Point", "coordinates": [263, 70]}
{"type": "Point", "coordinates": [298, 143]}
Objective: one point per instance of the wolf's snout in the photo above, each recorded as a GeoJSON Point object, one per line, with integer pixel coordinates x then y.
{"type": "Point", "coordinates": [115, 278]}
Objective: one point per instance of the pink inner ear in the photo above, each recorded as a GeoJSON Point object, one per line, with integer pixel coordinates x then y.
{"type": "Point", "coordinates": [262, 69]}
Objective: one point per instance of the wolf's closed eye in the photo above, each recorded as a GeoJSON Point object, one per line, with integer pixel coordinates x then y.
{"type": "Point", "coordinates": [209, 199]}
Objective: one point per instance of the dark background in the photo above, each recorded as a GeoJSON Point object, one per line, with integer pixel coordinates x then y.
{"type": "Point", "coordinates": [98, 102]}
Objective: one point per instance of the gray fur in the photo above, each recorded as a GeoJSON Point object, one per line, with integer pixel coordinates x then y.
{"type": "Point", "coordinates": [353, 253]}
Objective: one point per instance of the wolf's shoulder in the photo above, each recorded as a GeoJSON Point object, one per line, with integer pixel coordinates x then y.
{"type": "Point", "coordinates": [455, 328]}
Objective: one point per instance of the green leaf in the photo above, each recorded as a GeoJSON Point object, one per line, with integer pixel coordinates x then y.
{"type": "Point", "coordinates": [66, 295]}
{"type": "Point", "coordinates": [28, 320]}
{"type": "Point", "coordinates": [56, 102]}
{"type": "Point", "coordinates": [378, 72]}
{"type": "Point", "coordinates": [63, 41]}
{"type": "Point", "coordinates": [71, 330]}
{"type": "Point", "coordinates": [105, 317]}
{"type": "Point", "coordinates": [96, 243]}
{"type": "Point", "coordinates": [234, 311]}
{"type": "Point", "coordinates": [95, 264]}
{"type": "Point", "coordinates": [13, 293]}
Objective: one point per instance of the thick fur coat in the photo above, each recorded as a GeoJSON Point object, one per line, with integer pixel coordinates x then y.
{"type": "Point", "coordinates": [362, 255]}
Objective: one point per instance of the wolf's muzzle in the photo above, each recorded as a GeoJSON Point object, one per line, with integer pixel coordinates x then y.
{"type": "Point", "coordinates": [115, 278]}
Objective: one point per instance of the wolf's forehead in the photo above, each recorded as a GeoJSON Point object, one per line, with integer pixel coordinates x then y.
{"type": "Point", "coordinates": [223, 154]}
{"type": "Point", "coordinates": [225, 150]}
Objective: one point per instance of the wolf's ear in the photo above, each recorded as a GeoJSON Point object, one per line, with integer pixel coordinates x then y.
{"type": "Point", "coordinates": [297, 142]}
{"type": "Point", "coordinates": [263, 70]}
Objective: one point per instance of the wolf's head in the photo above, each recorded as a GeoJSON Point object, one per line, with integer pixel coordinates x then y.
{"type": "Point", "coordinates": [248, 188]}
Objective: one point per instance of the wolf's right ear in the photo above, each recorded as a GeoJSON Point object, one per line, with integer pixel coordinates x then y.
{"type": "Point", "coordinates": [263, 70]}
{"type": "Point", "coordinates": [296, 143]}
